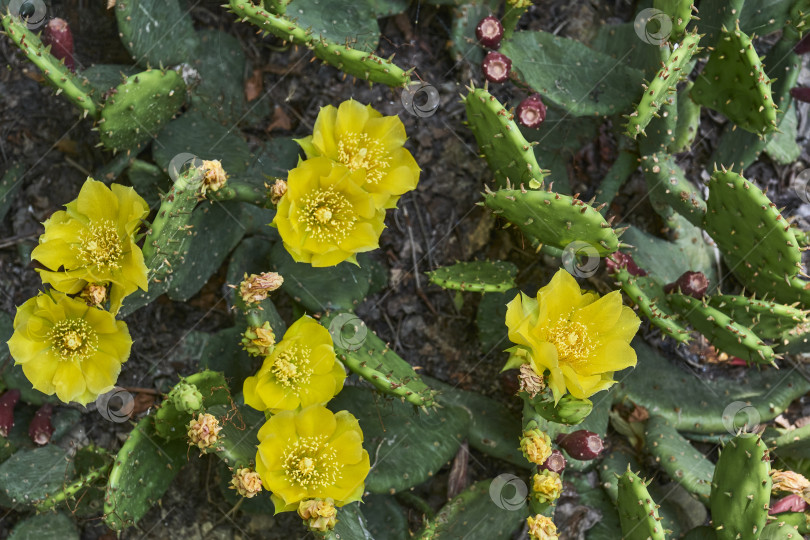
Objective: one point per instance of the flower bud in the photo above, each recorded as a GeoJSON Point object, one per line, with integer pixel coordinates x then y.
{"type": "Point", "coordinates": [694, 284]}
{"type": "Point", "coordinates": [535, 445]}
{"type": "Point", "coordinates": [489, 32]}
{"type": "Point", "coordinates": [554, 463]}
{"type": "Point", "coordinates": [541, 528]}
{"type": "Point", "coordinates": [203, 431]}
{"type": "Point", "coordinates": [186, 397]}
{"type": "Point", "coordinates": [581, 444]}
{"type": "Point", "coordinates": [259, 340]}
{"type": "Point", "coordinates": [214, 176]}
{"type": "Point", "coordinates": [320, 514]}
{"type": "Point", "coordinates": [95, 294]}
{"type": "Point", "coordinates": [40, 429]}
{"type": "Point", "coordinates": [7, 402]}
{"type": "Point", "coordinates": [57, 34]}
{"type": "Point", "coordinates": [496, 67]}
{"type": "Point", "coordinates": [257, 287]}
{"type": "Point", "coordinates": [532, 111]}
{"type": "Point", "coordinates": [530, 382]}
{"type": "Point", "coordinates": [619, 260]}
{"type": "Point", "coordinates": [277, 190]}
{"type": "Point", "coordinates": [246, 482]}
{"type": "Point", "coordinates": [546, 486]}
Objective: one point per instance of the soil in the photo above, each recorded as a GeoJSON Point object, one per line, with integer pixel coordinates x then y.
{"type": "Point", "coordinates": [436, 225]}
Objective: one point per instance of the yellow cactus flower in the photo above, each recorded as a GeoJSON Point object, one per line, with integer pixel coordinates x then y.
{"type": "Point", "coordinates": [325, 218]}
{"type": "Point", "coordinates": [577, 337]}
{"type": "Point", "coordinates": [547, 486]}
{"type": "Point", "coordinates": [93, 241]}
{"type": "Point", "coordinates": [68, 348]}
{"type": "Point", "coordinates": [302, 370]}
{"type": "Point", "coordinates": [536, 446]}
{"type": "Point", "coordinates": [541, 528]}
{"type": "Point", "coordinates": [364, 140]}
{"type": "Point", "coordinates": [312, 454]}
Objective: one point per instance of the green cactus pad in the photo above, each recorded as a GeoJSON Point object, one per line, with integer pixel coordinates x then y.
{"type": "Point", "coordinates": [156, 32]}
{"type": "Point", "coordinates": [686, 128]}
{"type": "Point", "coordinates": [171, 421]}
{"type": "Point", "coordinates": [741, 488]}
{"type": "Point", "coordinates": [782, 146]}
{"type": "Point", "coordinates": [757, 243]}
{"type": "Point", "coordinates": [679, 12]}
{"type": "Point", "coordinates": [236, 442]}
{"type": "Point", "coordinates": [554, 219]}
{"type": "Point", "coordinates": [405, 446]}
{"type": "Point", "coordinates": [220, 63]}
{"type": "Point", "coordinates": [693, 403]}
{"type": "Point", "coordinates": [596, 498]}
{"type": "Point", "coordinates": [721, 330]}
{"type": "Point", "coordinates": [509, 155]}
{"type": "Point", "coordinates": [682, 462]}
{"type": "Point", "coordinates": [622, 44]}
{"type": "Point", "coordinates": [360, 64]}
{"type": "Point", "coordinates": [476, 276]}
{"type": "Point", "coordinates": [53, 69]}
{"type": "Point", "coordinates": [701, 533]}
{"type": "Point", "coordinates": [768, 319]}
{"type": "Point", "coordinates": [143, 470]}
{"type": "Point", "coordinates": [716, 15]}
{"type": "Point", "coordinates": [53, 526]}
{"type": "Point", "coordinates": [463, 41]}
{"type": "Point", "coordinates": [584, 82]}
{"type": "Point", "coordinates": [140, 107]}
{"type": "Point", "coordinates": [338, 21]}
{"type": "Point", "coordinates": [638, 513]}
{"type": "Point", "coordinates": [668, 187]}
{"type": "Point", "coordinates": [612, 466]}
{"type": "Point", "coordinates": [780, 531]}
{"type": "Point", "coordinates": [664, 83]}
{"type": "Point", "coordinates": [648, 295]}
{"type": "Point", "coordinates": [734, 83]}
{"type": "Point", "coordinates": [386, 517]}
{"type": "Point", "coordinates": [30, 476]}
{"type": "Point", "coordinates": [368, 356]}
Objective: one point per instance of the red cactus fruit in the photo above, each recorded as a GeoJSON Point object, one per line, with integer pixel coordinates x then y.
{"type": "Point", "coordinates": [496, 67]}
{"type": "Point", "coordinates": [7, 402]}
{"type": "Point", "coordinates": [554, 463]}
{"type": "Point", "coordinates": [801, 93]}
{"type": "Point", "coordinates": [532, 111]}
{"type": "Point", "coordinates": [40, 429]}
{"type": "Point", "coordinates": [581, 444]}
{"type": "Point", "coordinates": [791, 503]}
{"type": "Point", "coordinates": [803, 46]}
{"type": "Point", "coordinates": [695, 284]}
{"type": "Point", "coordinates": [489, 32]}
{"type": "Point", "coordinates": [57, 34]}
{"type": "Point", "coordinates": [619, 260]}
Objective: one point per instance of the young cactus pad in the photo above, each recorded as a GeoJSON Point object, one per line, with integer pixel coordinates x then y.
{"type": "Point", "coordinates": [741, 488]}
{"type": "Point", "coordinates": [637, 511]}
{"type": "Point", "coordinates": [554, 219]}
{"type": "Point", "coordinates": [756, 241]}
{"type": "Point", "coordinates": [509, 155]}
{"type": "Point", "coordinates": [476, 276]}
{"type": "Point", "coordinates": [734, 83]}
{"type": "Point", "coordinates": [769, 320]}
{"type": "Point", "coordinates": [664, 83]}
{"type": "Point", "coordinates": [668, 188]}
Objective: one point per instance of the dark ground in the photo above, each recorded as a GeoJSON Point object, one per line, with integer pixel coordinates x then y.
{"type": "Point", "coordinates": [434, 226]}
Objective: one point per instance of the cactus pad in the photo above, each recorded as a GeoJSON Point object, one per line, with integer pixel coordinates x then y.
{"type": "Point", "coordinates": [768, 319]}
{"type": "Point", "coordinates": [734, 83]}
{"type": "Point", "coordinates": [668, 187]}
{"type": "Point", "coordinates": [673, 453]}
{"type": "Point", "coordinates": [476, 276]}
{"type": "Point", "coordinates": [638, 513]}
{"type": "Point", "coordinates": [649, 296]}
{"type": "Point", "coordinates": [156, 32]}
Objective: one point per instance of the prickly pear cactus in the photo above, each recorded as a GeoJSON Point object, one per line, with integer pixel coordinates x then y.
{"type": "Point", "coordinates": [637, 511]}
{"type": "Point", "coordinates": [476, 276]}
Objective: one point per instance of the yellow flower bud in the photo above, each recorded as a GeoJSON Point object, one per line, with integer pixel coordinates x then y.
{"type": "Point", "coordinates": [320, 514]}
{"type": "Point", "coordinates": [95, 294]}
{"type": "Point", "coordinates": [536, 446]}
{"type": "Point", "coordinates": [203, 431]}
{"type": "Point", "coordinates": [246, 482]}
{"type": "Point", "coordinates": [259, 340]}
{"type": "Point", "coordinates": [547, 486]}
{"type": "Point", "coordinates": [214, 176]}
{"type": "Point", "coordinates": [541, 528]}
{"type": "Point", "coordinates": [257, 287]}
{"type": "Point", "coordinates": [277, 190]}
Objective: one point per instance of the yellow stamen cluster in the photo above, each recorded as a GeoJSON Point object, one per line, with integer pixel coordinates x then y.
{"type": "Point", "coordinates": [292, 367]}
{"type": "Point", "coordinates": [541, 528]}
{"type": "Point", "coordinates": [536, 446]}
{"type": "Point", "coordinates": [311, 462]}
{"type": "Point", "coordinates": [328, 215]}
{"type": "Point", "coordinates": [547, 486]}
{"type": "Point", "coordinates": [571, 340]}
{"type": "Point", "coordinates": [320, 514]}
{"type": "Point", "coordinates": [359, 151]}
{"type": "Point", "coordinates": [203, 432]}
{"type": "Point", "coordinates": [100, 246]}
{"type": "Point", "coordinates": [73, 339]}
{"type": "Point", "coordinates": [246, 482]}
{"type": "Point", "coordinates": [257, 287]}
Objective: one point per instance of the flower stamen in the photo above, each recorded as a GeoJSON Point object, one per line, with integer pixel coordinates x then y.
{"type": "Point", "coordinates": [328, 215]}
{"type": "Point", "coordinates": [73, 339]}
{"type": "Point", "coordinates": [311, 462]}
{"type": "Point", "coordinates": [359, 151]}
{"type": "Point", "coordinates": [571, 340]}
{"type": "Point", "coordinates": [101, 245]}
{"type": "Point", "coordinates": [292, 367]}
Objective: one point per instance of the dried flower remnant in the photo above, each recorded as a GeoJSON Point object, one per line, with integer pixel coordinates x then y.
{"type": "Point", "coordinates": [203, 431]}
{"type": "Point", "coordinates": [246, 482]}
